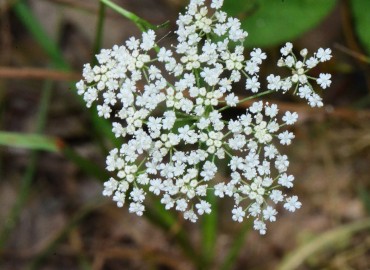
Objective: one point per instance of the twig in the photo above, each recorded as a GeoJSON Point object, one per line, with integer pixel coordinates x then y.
{"type": "Point", "coordinates": [37, 73]}
{"type": "Point", "coordinates": [352, 53]}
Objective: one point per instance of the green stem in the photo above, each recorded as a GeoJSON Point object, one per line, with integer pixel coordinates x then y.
{"type": "Point", "coordinates": [236, 246]}
{"type": "Point", "coordinates": [99, 32]}
{"type": "Point", "coordinates": [48, 45]}
{"type": "Point", "coordinates": [249, 98]}
{"type": "Point", "coordinates": [142, 24]}
{"type": "Point", "coordinates": [209, 232]}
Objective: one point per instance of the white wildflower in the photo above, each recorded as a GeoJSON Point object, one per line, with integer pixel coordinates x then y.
{"type": "Point", "coordinates": [169, 105]}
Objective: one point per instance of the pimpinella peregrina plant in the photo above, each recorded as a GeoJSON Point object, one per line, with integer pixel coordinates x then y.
{"type": "Point", "coordinates": [169, 105]}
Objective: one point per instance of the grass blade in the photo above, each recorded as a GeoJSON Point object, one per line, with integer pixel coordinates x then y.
{"type": "Point", "coordinates": [365, 198]}
{"type": "Point", "coordinates": [235, 248]}
{"type": "Point", "coordinates": [73, 222]}
{"type": "Point", "coordinates": [29, 141]}
{"type": "Point", "coordinates": [209, 232]}
{"type": "Point", "coordinates": [16, 209]}
{"type": "Point", "coordinates": [50, 144]}
{"type": "Point", "coordinates": [164, 219]}
{"type": "Point", "coordinates": [321, 242]}
{"type": "Point", "coordinates": [99, 33]}
{"type": "Point", "coordinates": [32, 24]}
{"type": "Point", "coordinates": [100, 126]}
{"type": "Point", "coordinates": [85, 165]}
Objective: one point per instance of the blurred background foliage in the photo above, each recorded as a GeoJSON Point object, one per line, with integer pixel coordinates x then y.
{"type": "Point", "coordinates": [272, 23]}
{"type": "Point", "coordinates": [52, 214]}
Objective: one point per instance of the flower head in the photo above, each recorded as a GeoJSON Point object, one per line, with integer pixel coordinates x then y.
{"type": "Point", "coordinates": [176, 131]}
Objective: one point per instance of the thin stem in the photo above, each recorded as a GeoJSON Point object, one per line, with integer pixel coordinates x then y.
{"type": "Point", "coordinates": [248, 98]}
{"type": "Point", "coordinates": [99, 32]}
{"type": "Point", "coordinates": [142, 24]}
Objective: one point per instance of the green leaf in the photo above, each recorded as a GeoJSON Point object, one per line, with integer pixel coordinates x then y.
{"type": "Point", "coordinates": [272, 22]}
{"type": "Point", "coordinates": [361, 16]}
{"type": "Point", "coordinates": [239, 7]}
{"type": "Point", "coordinates": [322, 242]}
{"type": "Point", "coordinates": [46, 143]}
{"type": "Point", "coordinates": [29, 141]}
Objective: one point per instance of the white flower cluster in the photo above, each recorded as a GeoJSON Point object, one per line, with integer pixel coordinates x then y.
{"type": "Point", "coordinates": [299, 79]}
{"type": "Point", "coordinates": [175, 131]}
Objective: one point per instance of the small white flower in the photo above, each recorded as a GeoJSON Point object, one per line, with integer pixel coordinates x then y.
{"type": "Point", "coordinates": [136, 208]}
{"type": "Point", "coordinates": [269, 214]}
{"type": "Point", "coordinates": [286, 180]}
{"type": "Point", "coordinates": [292, 204]}
{"type": "Point", "coordinates": [137, 195]}
{"type": "Point", "coordinates": [190, 215]}
{"type": "Point", "coordinates": [257, 56]}
{"type": "Point", "coordinates": [324, 54]}
{"type": "Point", "coordinates": [148, 40]}
{"type": "Point", "coordinates": [324, 80]}
{"type": "Point", "coordinates": [286, 137]}
{"type": "Point", "coordinates": [110, 186]}
{"type": "Point", "coordinates": [216, 4]}
{"type": "Point", "coordinates": [281, 163]}
{"type": "Point", "coordinates": [253, 84]}
{"type": "Point", "coordinates": [286, 49]}
{"type": "Point", "coordinates": [312, 62]}
{"type": "Point", "coordinates": [209, 171]}
{"type": "Point", "coordinates": [315, 100]}
{"type": "Point", "coordinates": [259, 226]}
{"type": "Point", "coordinates": [181, 205]}
{"type": "Point", "coordinates": [290, 118]}
{"type": "Point", "coordinates": [219, 190]}
{"type": "Point", "coordinates": [119, 197]}
{"type": "Point", "coordinates": [271, 111]}
{"type": "Point", "coordinates": [254, 209]}
{"type": "Point", "coordinates": [203, 207]}
{"type": "Point", "coordinates": [276, 196]}
{"type": "Point", "coordinates": [238, 214]}
{"type": "Point", "coordinates": [274, 82]}
{"type": "Point", "coordinates": [232, 100]}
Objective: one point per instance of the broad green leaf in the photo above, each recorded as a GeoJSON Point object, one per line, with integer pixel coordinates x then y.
{"type": "Point", "coordinates": [238, 7]}
{"type": "Point", "coordinates": [272, 22]}
{"type": "Point", "coordinates": [29, 141]}
{"type": "Point", "coordinates": [361, 16]}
